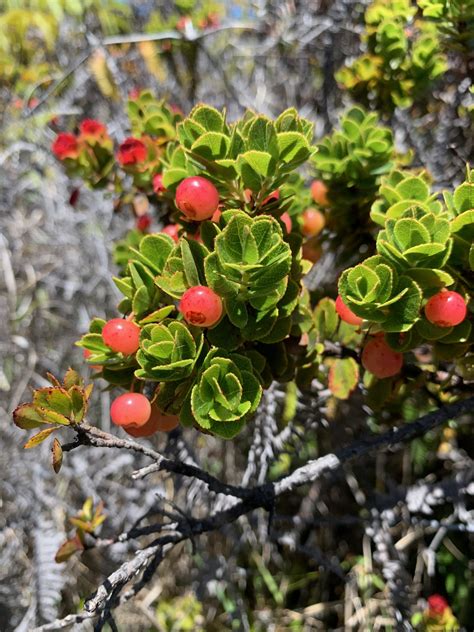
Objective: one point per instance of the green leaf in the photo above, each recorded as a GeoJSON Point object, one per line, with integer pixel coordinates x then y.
{"type": "Point", "coordinates": [211, 146]}
{"type": "Point", "coordinates": [262, 137]}
{"type": "Point", "coordinates": [260, 162]}
{"type": "Point", "coordinates": [38, 438]}
{"type": "Point", "coordinates": [208, 117]}
{"type": "Point", "coordinates": [325, 319]}
{"type": "Point", "coordinates": [72, 378]}
{"type": "Point", "coordinates": [294, 148]}
{"type": "Point", "coordinates": [190, 269]}
{"type": "Point", "coordinates": [343, 377]}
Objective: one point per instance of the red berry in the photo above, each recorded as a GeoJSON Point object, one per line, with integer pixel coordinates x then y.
{"type": "Point", "coordinates": [313, 222]}
{"type": "Point", "coordinates": [131, 152]}
{"type": "Point", "coordinates": [437, 605]}
{"type": "Point", "coordinates": [172, 230]}
{"type": "Point", "coordinates": [158, 186]}
{"type": "Point", "coordinates": [197, 198]}
{"type": "Point", "coordinates": [286, 219]}
{"type": "Point", "coordinates": [143, 222]}
{"type": "Point", "coordinates": [446, 309]}
{"type": "Point", "coordinates": [201, 306]}
{"type": "Point", "coordinates": [130, 409]}
{"type": "Point", "coordinates": [158, 421]}
{"type": "Point", "coordinates": [65, 146]}
{"type": "Point", "coordinates": [91, 127]}
{"type": "Point", "coordinates": [319, 192]}
{"type": "Point", "coordinates": [380, 359]}
{"type": "Point", "coordinates": [121, 336]}
{"type": "Point", "coordinates": [346, 314]}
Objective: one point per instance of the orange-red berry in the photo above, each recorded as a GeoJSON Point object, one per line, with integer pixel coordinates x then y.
{"type": "Point", "coordinates": [346, 314]}
{"type": "Point", "coordinates": [319, 192]}
{"type": "Point", "coordinates": [122, 336]}
{"type": "Point", "coordinates": [313, 222]}
{"type": "Point", "coordinates": [380, 359]}
{"type": "Point", "coordinates": [131, 410]}
{"type": "Point", "coordinates": [197, 198]}
{"type": "Point", "coordinates": [446, 309]}
{"type": "Point", "coordinates": [201, 306]}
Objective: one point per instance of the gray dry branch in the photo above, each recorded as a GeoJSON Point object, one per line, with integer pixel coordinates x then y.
{"type": "Point", "coordinates": [109, 594]}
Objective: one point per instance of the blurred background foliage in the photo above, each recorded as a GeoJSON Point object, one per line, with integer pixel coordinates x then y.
{"type": "Point", "coordinates": [326, 565]}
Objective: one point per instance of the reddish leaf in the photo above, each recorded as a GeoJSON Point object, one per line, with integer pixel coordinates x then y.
{"type": "Point", "coordinates": [67, 549]}
{"type": "Point", "coordinates": [27, 417]}
{"type": "Point", "coordinates": [57, 455]}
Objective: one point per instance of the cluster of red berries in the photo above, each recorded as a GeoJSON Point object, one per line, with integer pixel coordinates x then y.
{"type": "Point", "coordinates": [67, 145]}
{"type": "Point", "coordinates": [444, 309]}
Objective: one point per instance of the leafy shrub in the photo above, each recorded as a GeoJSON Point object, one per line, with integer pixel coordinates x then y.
{"type": "Point", "coordinates": [402, 59]}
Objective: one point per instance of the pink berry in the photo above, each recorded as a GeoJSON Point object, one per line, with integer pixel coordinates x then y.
{"type": "Point", "coordinates": [130, 409]}
{"type": "Point", "coordinates": [446, 309]}
{"type": "Point", "coordinates": [121, 336]}
{"type": "Point", "coordinates": [313, 222]}
{"type": "Point", "coordinates": [172, 230]}
{"type": "Point", "coordinates": [158, 186]}
{"type": "Point", "coordinates": [286, 219]}
{"type": "Point", "coordinates": [346, 314]}
{"type": "Point", "coordinates": [380, 359]}
{"type": "Point", "coordinates": [197, 198]}
{"type": "Point", "coordinates": [319, 192]}
{"type": "Point", "coordinates": [201, 306]}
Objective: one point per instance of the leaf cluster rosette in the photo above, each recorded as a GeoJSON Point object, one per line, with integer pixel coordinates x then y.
{"type": "Point", "coordinates": [225, 394]}
{"type": "Point", "coordinates": [351, 161]}
{"type": "Point", "coordinates": [254, 153]}
{"type": "Point", "coordinates": [54, 407]}
{"type": "Point", "coordinates": [424, 247]}
{"type": "Point", "coordinates": [375, 291]}
{"type": "Point", "coordinates": [402, 59]}
{"type": "Point", "coordinates": [249, 267]}
{"type": "Point", "coordinates": [401, 190]}
{"type": "Point", "coordinates": [416, 241]}
{"type": "Point", "coordinates": [168, 351]}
